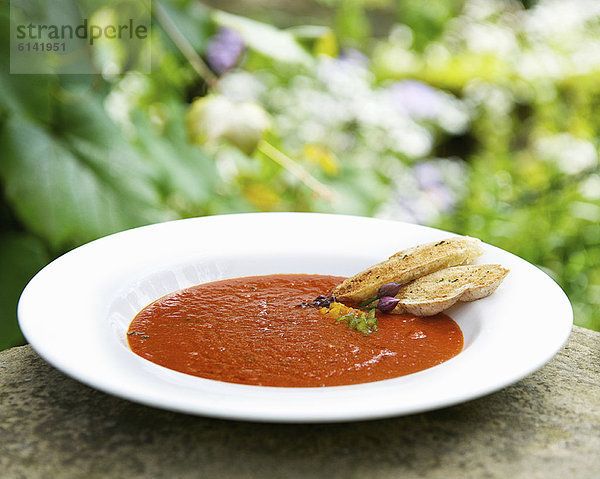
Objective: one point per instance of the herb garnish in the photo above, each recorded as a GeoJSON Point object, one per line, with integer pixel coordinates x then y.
{"type": "Point", "coordinates": [364, 322]}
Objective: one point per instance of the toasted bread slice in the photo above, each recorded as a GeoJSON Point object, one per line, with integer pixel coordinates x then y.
{"type": "Point", "coordinates": [438, 291]}
{"type": "Point", "coordinates": [407, 265]}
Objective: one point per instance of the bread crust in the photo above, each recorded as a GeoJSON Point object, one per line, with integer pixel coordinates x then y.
{"type": "Point", "coordinates": [407, 265]}
{"type": "Point", "coordinates": [438, 291]}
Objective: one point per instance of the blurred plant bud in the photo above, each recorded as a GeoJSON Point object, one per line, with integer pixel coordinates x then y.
{"type": "Point", "coordinates": [216, 118]}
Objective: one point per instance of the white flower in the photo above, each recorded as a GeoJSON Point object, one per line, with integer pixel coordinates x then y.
{"type": "Point", "coordinates": [571, 155]}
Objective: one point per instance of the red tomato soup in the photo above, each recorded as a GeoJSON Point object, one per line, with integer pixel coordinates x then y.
{"type": "Point", "coordinates": [251, 331]}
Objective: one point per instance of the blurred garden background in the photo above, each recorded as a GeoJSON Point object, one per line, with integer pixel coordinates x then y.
{"type": "Point", "coordinates": [476, 116]}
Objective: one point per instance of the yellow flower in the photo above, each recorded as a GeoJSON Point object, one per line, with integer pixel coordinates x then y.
{"type": "Point", "coordinates": [322, 157]}
{"type": "Point", "coordinates": [262, 196]}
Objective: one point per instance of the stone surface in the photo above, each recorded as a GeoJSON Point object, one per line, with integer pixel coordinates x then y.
{"type": "Point", "coordinates": [546, 426]}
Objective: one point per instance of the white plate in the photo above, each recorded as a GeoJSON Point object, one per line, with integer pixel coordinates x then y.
{"type": "Point", "coordinates": [75, 313]}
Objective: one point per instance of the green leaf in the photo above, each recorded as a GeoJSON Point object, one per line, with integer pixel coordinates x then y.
{"type": "Point", "coordinates": [69, 196]}
{"type": "Point", "coordinates": [265, 39]}
{"type": "Point", "coordinates": [26, 94]}
{"type": "Point", "coordinates": [193, 22]}
{"type": "Point", "coordinates": [352, 23]}
{"type": "Point", "coordinates": [183, 171]}
{"type": "Point", "coordinates": [22, 256]}
{"type": "Point", "coordinates": [99, 145]}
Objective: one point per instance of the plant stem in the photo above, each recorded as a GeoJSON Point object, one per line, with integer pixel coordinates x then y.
{"type": "Point", "coordinates": [199, 66]}
{"type": "Point", "coordinates": [297, 170]}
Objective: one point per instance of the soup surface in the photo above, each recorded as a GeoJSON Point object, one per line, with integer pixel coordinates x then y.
{"type": "Point", "coordinates": [251, 331]}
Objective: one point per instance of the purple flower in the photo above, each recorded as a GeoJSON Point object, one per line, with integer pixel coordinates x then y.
{"type": "Point", "coordinates": [442, 197]}
{"type": "Point", "coordinates": [427, 175]}
{"type": "Point", "coordinates": [224, 50]}
{"type": "Point", "coordinates": [430, 180]}
{"type": "Point", "coordinates": [389, 289]}
{"type": "Point", "coordinates": [352, 55]}
{"type": "Point", "coordinates": [387, 304]}
{"type": "Point", "coordinates": [417, 99]}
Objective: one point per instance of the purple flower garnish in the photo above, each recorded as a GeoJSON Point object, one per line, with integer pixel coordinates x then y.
{"type": "Point", "coordinates": [322, 301]}
{"type": "Point", "coordinates": [389, 289]}
{"type": "Point", "coordinates": [319, 302]}
{"type": "Point", "coordinates": [387, 304]}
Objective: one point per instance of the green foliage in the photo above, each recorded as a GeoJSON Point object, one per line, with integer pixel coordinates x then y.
{"type": "Point", "coordinates": [427, 20]}
{"type": "Point", "coordinates": [478, 117]}
{"type": "Point", "coordinates": [77, 178]}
